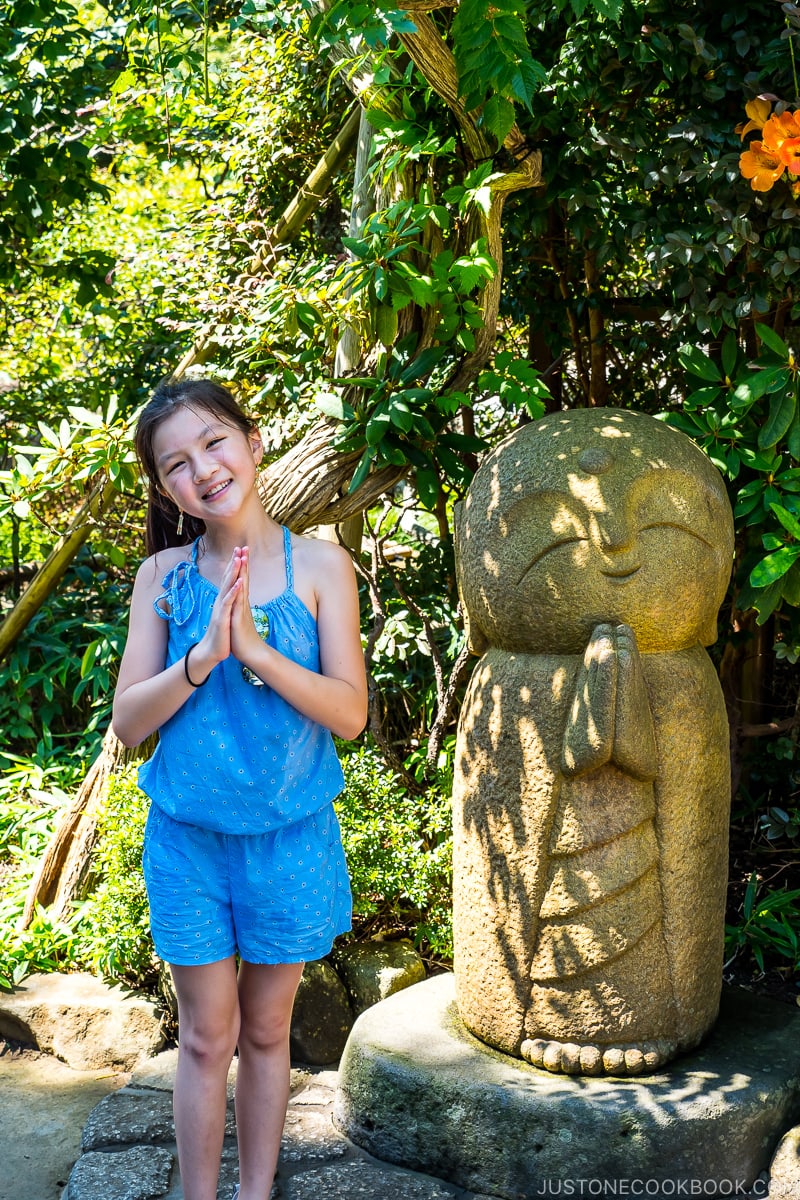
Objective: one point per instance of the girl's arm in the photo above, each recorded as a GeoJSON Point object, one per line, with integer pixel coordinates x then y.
{"type": "Point", "coordinates": [337, 696]}
{"type": "Point", "coordinates": [147, 693]}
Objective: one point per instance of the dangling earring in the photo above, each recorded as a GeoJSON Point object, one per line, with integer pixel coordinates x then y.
{"type": "Point", "coordinates": [180, 523]}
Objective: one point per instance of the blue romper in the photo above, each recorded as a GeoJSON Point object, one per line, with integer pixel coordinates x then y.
{"type": "Point", "coordinates": [242, 847]}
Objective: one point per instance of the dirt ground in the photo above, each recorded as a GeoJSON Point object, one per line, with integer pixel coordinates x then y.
{"type": "Point", "coordinates": [44, 1105]}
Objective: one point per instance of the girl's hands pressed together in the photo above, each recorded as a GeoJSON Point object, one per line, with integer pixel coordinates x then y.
{"type": "Point", "coordinates": [245, 640]}
{"type": "Point", "coordinates": [216, 643]}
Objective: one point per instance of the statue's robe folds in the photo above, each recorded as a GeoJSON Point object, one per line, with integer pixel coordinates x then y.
{"type": "Point", "coordinates": [591, 804]}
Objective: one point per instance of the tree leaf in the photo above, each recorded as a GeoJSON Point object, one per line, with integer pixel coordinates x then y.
{"type": "Point", "coordinates": [498, 116]}
{"type": "Point", "coordinates": [730, 353]}
{"type": "Point", "coordinates": [782, 407]}
{"type": "Point", "coordinates": [788, 520]}
{"type": "Point", "coordinates": [696, 363]}
{"type": "Point", "coordinates": [428, 486]}
{"type": "Point", "coordinates": [362, 470]}
{"type": "Point", "coordinates": [771, 339]}
{"type": "Point", "coordinates": [774, 566]}
{"type": "Point", "coordinates": [793, 436]}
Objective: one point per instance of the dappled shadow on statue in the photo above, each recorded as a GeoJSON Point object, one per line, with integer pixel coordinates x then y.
{"type": "Point", "coordinates": [592, 782]}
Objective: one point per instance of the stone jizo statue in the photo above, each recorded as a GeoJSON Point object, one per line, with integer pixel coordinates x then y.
{"type": "Point", "coordinates": [592, 780]}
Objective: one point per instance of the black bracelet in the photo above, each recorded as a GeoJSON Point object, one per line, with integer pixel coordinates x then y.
{"type": "Point", "coordinates": [186, 669]}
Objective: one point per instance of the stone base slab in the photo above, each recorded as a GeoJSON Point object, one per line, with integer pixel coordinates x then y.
{"type": "Point", "coordinates": [418, 1090]}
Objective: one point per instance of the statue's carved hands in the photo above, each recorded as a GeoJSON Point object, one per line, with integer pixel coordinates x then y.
{"type": "Point", "coordinates": [610, 719]}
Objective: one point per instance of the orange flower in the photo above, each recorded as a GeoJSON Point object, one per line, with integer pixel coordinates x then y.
{"type": "Point", "coordinates": [790, 155]}
{"type": "Point", "coordinates": [782, 139]}
{"type": "Point", "coordinates": [757, 110]}
{"type": "Point", "coordinates": [778, 151]}
{"type": "Point", "coordinates": [760, 166]}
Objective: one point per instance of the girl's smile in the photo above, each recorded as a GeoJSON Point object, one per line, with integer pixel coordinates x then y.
{"type": "Point", "coordinates": [217, 489]}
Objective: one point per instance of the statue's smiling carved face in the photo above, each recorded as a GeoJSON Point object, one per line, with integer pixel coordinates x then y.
{"type": "Point", "coordinates": [593, 516]}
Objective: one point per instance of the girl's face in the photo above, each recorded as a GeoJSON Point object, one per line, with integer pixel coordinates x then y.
{"type": "Point", "coordinates": [205, 464]}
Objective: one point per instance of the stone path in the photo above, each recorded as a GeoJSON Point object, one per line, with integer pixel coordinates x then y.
{"type": "Point", "coordinates": [129, 1149]}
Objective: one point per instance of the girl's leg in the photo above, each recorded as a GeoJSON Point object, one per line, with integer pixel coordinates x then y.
{"type": "Point", "coordinates": [208, 1024]}
{"type": "Point", "coordinates": [266, 996]}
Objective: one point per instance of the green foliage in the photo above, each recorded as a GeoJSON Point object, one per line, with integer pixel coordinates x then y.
{"type": "Point", "coordinates": [73, 453]}
{"type": "Point", "coordinates": [770, 795]}
{"type": "Point", "coordinates": [777, 824]}
{"type": "Point", "coordinates": [770, 926]}
{"type": "Point", "coordinates": [56, 682]}
{"type": "Point", "coordinates": [46, 945]}
{"type": "Point", "coordinates": [108, 933]}
{"type": "Point", "coordinates": [398, 851]}
{"type": "Point", "coordinates": [745, 416]}
{"type": "Point", "coordinates": [114, 922]}
{"type": "Point", "coordinates": [495, 67]}
{"type": "Point", "coordinates": [31, 795]}
{"type": "Point", "coordinates": [55, 68]}
{"type": "Point", "coordinates": [415, 616]}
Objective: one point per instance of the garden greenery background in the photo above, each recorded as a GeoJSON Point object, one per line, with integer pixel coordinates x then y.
{"type": "Point", "coordinates": [577, 203]}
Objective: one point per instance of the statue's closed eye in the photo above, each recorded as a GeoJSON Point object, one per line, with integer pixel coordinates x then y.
{"type": "Point", "coordinates": [569, 540]}
{"type": "Point", "coordinates": [680, 526]}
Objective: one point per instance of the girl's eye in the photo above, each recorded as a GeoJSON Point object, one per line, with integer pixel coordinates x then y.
{"type": "Point", "coordinates": [175, 466]}
{"type": "Point", "coordinates": [215, 442]}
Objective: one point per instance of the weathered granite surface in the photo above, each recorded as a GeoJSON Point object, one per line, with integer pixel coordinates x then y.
{"type": "Point", "coordinates": [417, 1089]}
{"type": "Point", "coordinates": [371, 971]}
{"type": "Point", "coordinates": [82, 1020]}
{"type": "Point", "coordinates": [322, 1016]}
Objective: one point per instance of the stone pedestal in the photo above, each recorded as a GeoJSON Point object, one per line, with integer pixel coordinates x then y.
{"type": "Point", "coordinates": [416, 1089]}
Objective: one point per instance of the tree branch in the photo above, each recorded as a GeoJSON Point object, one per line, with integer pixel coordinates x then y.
{"type": "Point", "coordinates": [770, 728]}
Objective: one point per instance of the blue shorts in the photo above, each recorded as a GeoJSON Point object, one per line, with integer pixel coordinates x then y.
{"type": "Point", "coordinates": [277, 897]}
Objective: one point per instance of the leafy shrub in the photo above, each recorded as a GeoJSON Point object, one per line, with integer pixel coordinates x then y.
{"type": "Point", "coordinates": [56, 683]}
{"type": "Point", "coordinates": [114, 920]}
{"type": "Point", "coordinates": [46, 945]}
{"type": "Point", "coordinates": [399, 851]}
{"type": "Point", "coordinates": [769, 926]}
{"type": "Point", "coordinates": [30, 798]}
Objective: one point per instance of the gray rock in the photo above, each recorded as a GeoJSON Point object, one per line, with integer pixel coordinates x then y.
{"type": "Point", "coordinates": [418, 1090]}
{"type": "Point", "coordinates": [784, 1173]}
{"type": "Point", "coordinates": [141, 1173]}
{"type": "Point", "coordinates": [310, 1135]}
{"type": "Point", "coordinates": [88, 1024]}
{"type": "Point", "coordinates": [363, 1181]}
{"type": "Point", "coordinates": [157, 1072]}
{"type": "Point", "coordinates": [130, 1116]}
{"type": "Point", "coordinates": [322, 1017]}
{"type": "Point", "coordinates": [374, 970]}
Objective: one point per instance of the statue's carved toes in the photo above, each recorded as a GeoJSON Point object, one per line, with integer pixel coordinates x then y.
{"type": "Point", "coordinates": [568, 1058]}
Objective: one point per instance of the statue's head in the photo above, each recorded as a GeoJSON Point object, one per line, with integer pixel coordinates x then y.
{"type": "Point", "coordinates": [592, 516]}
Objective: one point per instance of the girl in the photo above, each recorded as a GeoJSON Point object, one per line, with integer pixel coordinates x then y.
{"type": "Point", "coordinates": [244, 653]}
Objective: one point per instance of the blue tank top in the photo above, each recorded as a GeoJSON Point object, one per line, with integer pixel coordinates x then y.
{"type": "Point", "coordinates": [237, 758]}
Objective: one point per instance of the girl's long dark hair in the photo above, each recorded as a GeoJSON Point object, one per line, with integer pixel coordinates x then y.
{"type": "Point", "coordinates": [161, 528]}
